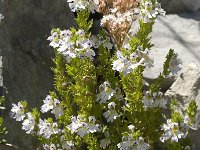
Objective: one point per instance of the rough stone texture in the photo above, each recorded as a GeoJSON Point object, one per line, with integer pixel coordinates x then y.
{"type": "Point", "coordinates": [187, 86]}
{"type": "Point", "coordinates": [179, 32]}
{"type": "Point", "coordinates": [27, 56]}
{"type": "Point", "coordinates": [177, 6]}
{"type": "Point", "coordinates": [185, 89]}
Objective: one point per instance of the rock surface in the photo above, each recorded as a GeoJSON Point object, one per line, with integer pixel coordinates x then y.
{"type": "Point", "coordinates": [27, 56]}
{"type": "Point", "coordinates": [185, 89]}
{"type": "Point", "coordinates": [179, 32]}
{"type": "Point", "coordinates": [178, 6]}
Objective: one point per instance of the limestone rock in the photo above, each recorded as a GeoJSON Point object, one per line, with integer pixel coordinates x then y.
{"type": "Point", "coordinates": [187, 86]}
{"type": "Point", "coordinates": [27, 58]}
{"type": "Point", "coordinates": [177, 6]}
{"type": "Point", "coordinates": [179, 32]}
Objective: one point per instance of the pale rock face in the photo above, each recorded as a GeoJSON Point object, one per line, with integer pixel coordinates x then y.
{"type": "Point", "coordinates": [187, 86]}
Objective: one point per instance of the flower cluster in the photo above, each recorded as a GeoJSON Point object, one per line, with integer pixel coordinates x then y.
{"type": "Point", "coordinates": [47, 128]}
{"type": "Point", "coordinates": [129, 141]}
{"type": "Point", "coordinates": [65, 145]}
{"type": "Point", "coordinates": [149, 11]}
{"type": "Point", "coordinates": [126, 64]}
{"type": "Point", "coordinates": [53, 105]}
{"type": "Point", "coordinates": [151, 100]}
{"type": "Point", "coordinates": [99, 40]}
{"type": "Point", "coordinates": [29, 124]}
{"type": "Point", "coordinates": [111, 114]}
{"type": "Point", "coordinates": [76, 5]}
{"type": "Point", "coordinates": [17, 111]}
{"type": "Point", "coordinates": [172, 131]}
{"type": "Point", "coordinates": [83, 127]}
{"type": "Point", "coordinates": [106, 93]}
{"type": "Point", "coordinates": [72, 44]}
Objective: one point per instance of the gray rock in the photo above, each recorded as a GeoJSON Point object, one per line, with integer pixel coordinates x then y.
{"type": "Point", "coordinates": [177, 6]}
{"type": "Point", "coordinates": [187, 86]}
{"type": "Point", "coordinates": [179, 32]}
{"type": "Point", "coordinates": [27, 58]}
{"type": "Point", "coordinates": [185, 89]}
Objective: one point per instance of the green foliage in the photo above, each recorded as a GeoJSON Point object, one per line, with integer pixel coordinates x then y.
{"type": "Point", "coordinates": [123, 103]}
{"type": "Point", "coordinates": [161, 78]}
{"type": "Point", "coordinates": [3, 130]}
{"type": "Point", "coordinates": [83, 21]}
{"type": "Point", "coordinates": [192, 109]}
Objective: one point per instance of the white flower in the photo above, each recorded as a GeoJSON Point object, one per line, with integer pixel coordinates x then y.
{"type": "Point", "coordinates": [160, 10]}
{"type": "Point", "coordinates": [131, 127]}
{"type": "Point", "coordinates": [92, 127]}
{"type": "Point", "coordinates": [83, 129]}
{"type": "Point", "coordinates": [148, 13]}
{"type": "Point", "coordinates": [111, 114]}
{"type": "Point", "coordinates": [106, 92]}
{"type": "Point", "coordinates": [159, 100]}
{"type": "Point", "coordinates": [88, 52]}
{"type": "Point", "coordinates": [17, 111]}
{"type": "Point", "coordinates": [48, 104]}
{"type": "Point", "coordinates": [126, 64]}
{"type": "Point", "coordinates": [147, 100]}
{"type": "Point", "coordinates": [52, 104]}
{"type": "Point", "coordinates": [125, 145]}
{"type": "Point", "coordinates": [122, 64]}
{"type": "Point", "coordinates": [151, 100]}
{"type": "Point", "coordinates": [92, 6]}
{"type": "Point", "coordinates": [65, 34]}
{"type": "Point", "coordinates": [76, 5]}
{"type": "Point", "coordinates": [54, 39]}
{"type": "Point", "coordinates": [46, 129]}
{"type": "Point", "coordinates": [187, 148]}
{"type": "Point", "coordinates": [127, 46]}
{"type": "Point", "coordinates": [171, 132]}
{"type": "Point", "coordinates": [29, 123]}
{"type": "Point", "coordinates": [145, 59]}
{"type": "Point", "coordinates": [76, 123]}
{"type": "Point", "coordinates": [1, 17]}
{"type": "Point", "coordinates": [130, 143]}
{"type": "Point", "coordinates": [57, 109]}
{"type": "Point", "coordinates": [99, 40]}
{"type": "Point", "coordinates": [49, 147]}
{"type": "Point", "coordinates": [174, 65]}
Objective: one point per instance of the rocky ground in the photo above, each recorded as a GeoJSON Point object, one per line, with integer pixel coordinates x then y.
{"type": "Point", "coordinates": [26, 56]}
